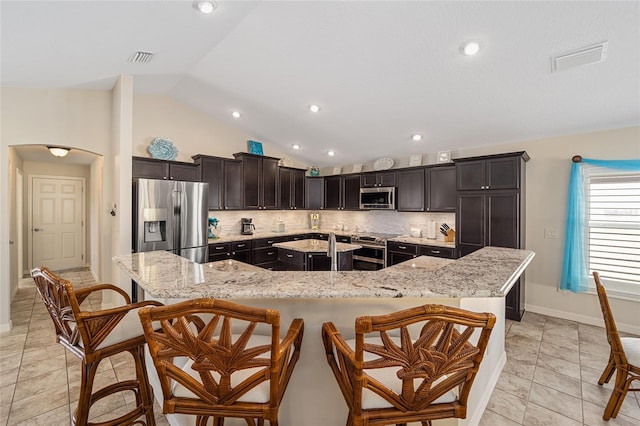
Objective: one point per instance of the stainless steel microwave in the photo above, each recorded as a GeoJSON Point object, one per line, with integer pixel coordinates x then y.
{"type": "Point", "coordinates": [378, 198]}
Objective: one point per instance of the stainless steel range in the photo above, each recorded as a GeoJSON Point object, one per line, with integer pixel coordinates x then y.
{"type": "Point", "coordinates": [373, 254]}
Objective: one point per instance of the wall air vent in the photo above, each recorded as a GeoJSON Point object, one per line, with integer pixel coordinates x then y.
{"type": "Point", "coordinates": [584, 56]}
{"type": "Point", "coordinates": [140, 57]}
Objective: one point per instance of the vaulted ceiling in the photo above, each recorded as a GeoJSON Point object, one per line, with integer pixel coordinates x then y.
{"type": "Point", "coordinates": [380, 71]}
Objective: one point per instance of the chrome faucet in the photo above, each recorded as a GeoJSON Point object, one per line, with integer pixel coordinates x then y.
{"type": "Point", "coordinates": [332, 251]}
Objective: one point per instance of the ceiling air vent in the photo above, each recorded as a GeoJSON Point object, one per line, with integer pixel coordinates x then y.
{"type": "Point", "coordinates": [140, 57]}
{"type": "Point", "coordinates": [584, 56]}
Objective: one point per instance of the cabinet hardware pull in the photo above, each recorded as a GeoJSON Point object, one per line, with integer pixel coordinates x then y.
{"type": "Point", "coordinates": [220, 248]}
{"type": "Point", "coordinates": [269, 242]}
{"type": "Point", "coordinates": [435, 251]}
{"type": "Point", "coordinates": [240, 245]}
{"type": "Point", "coordinates": [270, 253]}
{"type": "Point", "coordinates": [289, 255]}
{"type": "Point", "coordinates": [402, 247]}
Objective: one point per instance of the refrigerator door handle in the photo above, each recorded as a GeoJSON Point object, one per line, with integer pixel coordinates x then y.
{"type": "Point", "coordinates": [177, 223]}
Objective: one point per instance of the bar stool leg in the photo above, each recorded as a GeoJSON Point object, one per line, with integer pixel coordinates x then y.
{"type": "Point", "coordinates": [144, 398]}
{"type": "Point", "coordinates": [81, 415]}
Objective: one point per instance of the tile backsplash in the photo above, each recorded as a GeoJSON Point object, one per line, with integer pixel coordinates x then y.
{"type": "Point", "coordinates": [387, 222]}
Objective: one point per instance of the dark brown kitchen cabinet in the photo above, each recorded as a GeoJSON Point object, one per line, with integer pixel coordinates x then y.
{"type": "Point", "coordinates": [440, 188]}
{"type": "Point", "coordinates": [400, 252]}
{"type": "Point", "coordinates": [437, 251]}
{"type": "Point", "coordinates": [260, 175]}
{"type": "Point", "coordinates": [221, 251]}
{"type": "Point", "coordinates": [233, 185]}
{"type": "Point", "coordinates": [490, 172]}
{"type": "Point", "coordinates": [241, 251]}
{"type": "Point", "coordinates": [410, 191]}
{"type": "Point", "coordinates": [152, 168]}
{"type": "Point", "coordinates": [342, 192]}
{"type": "Point", "coordinates": [378, 179]}
{"type": "Point", "coordinates": [212, 172]}
{"type": "Point", "coordinates": [224, 177]}
{"type": "Point", "coordinates": [291, 188]}
{"type": "Point", "coordinates": [314, 193]}
{"type": "Point", "coordinates": [488, 215]}
{"type": "Point", "coordinates": [264, 254]}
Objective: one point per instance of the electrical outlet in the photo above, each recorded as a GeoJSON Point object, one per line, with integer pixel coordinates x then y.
{"type": "Point", "coordinates": [551, 233]}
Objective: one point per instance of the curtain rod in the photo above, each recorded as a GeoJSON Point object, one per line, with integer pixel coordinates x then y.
{"type": "Point", "coordinates": [577, 158]}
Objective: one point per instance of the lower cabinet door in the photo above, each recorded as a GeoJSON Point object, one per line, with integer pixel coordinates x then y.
{"type": "Point", "coordinates": [318, 262]}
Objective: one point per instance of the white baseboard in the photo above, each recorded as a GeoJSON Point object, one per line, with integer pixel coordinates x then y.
{"type": "Point", "coordinates": [584, 319]}
{"type": "Point", "coordinates": [5, 328]}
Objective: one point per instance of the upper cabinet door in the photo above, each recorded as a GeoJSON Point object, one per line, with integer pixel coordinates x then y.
{"type": "Point", "coordinates": [441, 189]}
{"type": "Point", "coordinates": [212, 172]}
{"type": "Point", "coordinates": [332, 193]}
{"type": "Point", "coordinates": [410, 193]}
{"type": "Point", "coordinates": [184, 171]}
{"type": "Point", "coordinates": [269, 185]}
{"type": "Point", "coordinates": [503, 173]}
{"type": "Point", "coordinates": [314, 193]}
{"type": "Point", "coordinates": [351, 192]}
{"type": "Point", "coordinates": [233, 185]}
{"type": "Point", "coordinates": [298, 189]}
{"type": "Point", "coordinates": [149, 168]}
{"type": "Point", "coordinates": [470, 175]}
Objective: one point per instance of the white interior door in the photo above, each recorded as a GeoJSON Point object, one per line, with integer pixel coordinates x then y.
{"type": "Point", "coordinates": [57, 223]}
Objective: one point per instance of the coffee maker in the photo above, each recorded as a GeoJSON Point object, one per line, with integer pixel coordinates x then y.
{"type": "Point", "coordinates": [246, 226]}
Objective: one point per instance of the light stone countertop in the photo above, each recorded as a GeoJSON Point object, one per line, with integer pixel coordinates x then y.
{"type": "Point", "coordinates": [315, 246]}
{"type": "Point", "coordinates": [488, 272]}
{"type": "Point", "coordinates": [257, 235]}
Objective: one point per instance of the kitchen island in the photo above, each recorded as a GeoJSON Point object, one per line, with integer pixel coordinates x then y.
{"type": "Point", "coordinates": [311, 255]}
{"type": "Point", "coordinates": [477, 282]}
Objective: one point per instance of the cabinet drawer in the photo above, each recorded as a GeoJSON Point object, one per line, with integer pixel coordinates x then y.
{"type": "Point", "coordinates": [343, 239]}
{"type": "Point", "coordinates": [402, 247]}
{"type": "Point", "coordinates": [447, 253]}
{"type": "Point", "coordinates": [290, 256]}
{"type": "Point", "coordinates": [216, 249]}
{"type": "Point", "coordinates": [267, 242]}
{"type": "Point", "coordinates": [241, 245]}
{"type": "Point", "coordinates": [265, 255]}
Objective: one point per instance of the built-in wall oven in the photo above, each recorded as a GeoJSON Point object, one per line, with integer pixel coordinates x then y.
{"type": "Point", "coordinates": [373, 254]}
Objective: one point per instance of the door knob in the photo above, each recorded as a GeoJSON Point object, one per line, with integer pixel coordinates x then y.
{"type": "Point", "coordinates": [38, 229]}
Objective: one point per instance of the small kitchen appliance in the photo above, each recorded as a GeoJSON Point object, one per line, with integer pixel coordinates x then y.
{"type": "Point", "coordinates": [247, 227]}
{"type": "Point", "coordinates": [315, 220]}
{"type": "Point", "coordinates": [378, 198]}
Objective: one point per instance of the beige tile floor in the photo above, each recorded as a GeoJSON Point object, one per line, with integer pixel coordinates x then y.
{"type": "Point", "coordinates": [550, 377]}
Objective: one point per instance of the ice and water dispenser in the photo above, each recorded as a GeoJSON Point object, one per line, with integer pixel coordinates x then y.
{"type": "Point", "coordinates": [155, 225]}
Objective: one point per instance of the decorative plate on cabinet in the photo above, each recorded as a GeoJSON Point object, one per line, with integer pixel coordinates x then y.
{"type": "Point", "coordinates": [383, 163]}
{"type": "Point", "coordinates": [163, 149]}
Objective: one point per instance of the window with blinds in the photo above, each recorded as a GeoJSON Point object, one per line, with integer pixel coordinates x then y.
{"type": "Point", "coordinates": [614, 229]}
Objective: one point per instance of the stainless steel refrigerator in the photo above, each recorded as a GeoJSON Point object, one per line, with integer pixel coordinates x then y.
{"type": "Point", "coordinates": [172, 216]}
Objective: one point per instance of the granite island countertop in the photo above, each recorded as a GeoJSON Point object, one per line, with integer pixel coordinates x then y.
{"type": "Point", "coordinates": [488, 272]}
{"type": "Point", "coordinates": [315, 246]}
{"type": "Point", "coordinates": [268, 234]}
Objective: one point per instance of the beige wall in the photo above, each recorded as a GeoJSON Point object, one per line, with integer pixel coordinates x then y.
{"type": "Point", "coordinates": [191, 131]}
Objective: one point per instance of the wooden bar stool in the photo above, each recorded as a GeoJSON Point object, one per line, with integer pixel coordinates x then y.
{"type": "Point", "coordinates": [623, 358]}
{"type": "Point", "coordinates": [388, 377]}
{"type": "Point", "coordinates": [95, 335]}
{"type": "Point", "coordinates": [221, 360]}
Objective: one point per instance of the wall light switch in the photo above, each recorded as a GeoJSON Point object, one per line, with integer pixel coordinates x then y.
{"type": "Point", "coordinates": [551, 233]}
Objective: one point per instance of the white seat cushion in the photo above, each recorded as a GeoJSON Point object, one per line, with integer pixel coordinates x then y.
{"type": "Point", "coordinates": [259, 394]}
{"type": "Point", "coordinates": [388, 376]}
{"type": "Point", "coordinates": [129, 327]}
{"type": "Point", "coordinates": [631, 347]}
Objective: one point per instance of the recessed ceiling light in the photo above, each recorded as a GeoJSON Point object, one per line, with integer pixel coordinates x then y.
{"type": "Point", "coordinates": [470, 48]}
{"type": "Point", "coordinates": [416, 137]}
{"type": "Point", "coordinates": [206, 6]}
{"type": "Point", "coordinates": [314, 108]}
{"type": "Point", "coordinates": [236, 114]}
{"type": "Point", "coordinates": [295, 146]}
{"type": "Point", "coordinates": [331, 153]}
